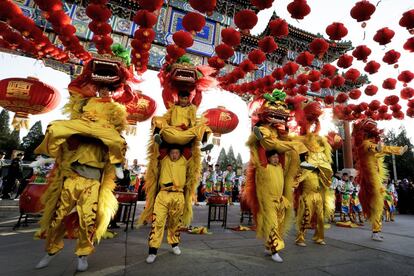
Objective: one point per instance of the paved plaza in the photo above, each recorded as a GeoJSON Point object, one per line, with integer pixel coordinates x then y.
{"type": "Point", "coordinates": [224, 252]}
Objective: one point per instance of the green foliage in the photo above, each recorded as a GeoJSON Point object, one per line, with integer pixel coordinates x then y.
{"type": "Point", "coordinates": [222, 159]}
{"type": "Point", "coordinates": [32, 140]}
{"type": "Point", "coordinates": [231, 159]}
{"type": "Point", "coordinates": [4, 129]}
{"type": "Point", "coordinates": [239, 161]}
{"type": "Point", "coordinates": [405, 162]}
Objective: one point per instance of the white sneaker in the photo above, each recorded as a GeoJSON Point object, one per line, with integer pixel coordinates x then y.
{"type": "Point", "coordinates": [377, 237]}
{"type": "Point", "coordinates": [82, 264]}
{"type": "Point", "coordinates": [277, 258]}
{"type": "Point", "coordinates": [176, 250]}
{"type": "Point", "coordinates": [302, 244]}
{"type": "Point", "coordinates": [151, 258]}
{"type": "Point", "coordinates": [44, 262]}
{"type": "Point", "coordinates": [119, 172]}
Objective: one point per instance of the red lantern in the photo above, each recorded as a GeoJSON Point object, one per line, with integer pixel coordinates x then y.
{"type": "Point", "coordinates": [279, 27]}
{"type": "Point", "coordinates": [341, 97]}
{"type": "Point", "coordinates": [302, 79]}
{"type": "Point", "coordinates": [355, 94]}
{"type": "Point", "coordinates": [329, 99]}
{"type": "Point", "coordinates": [216, 62]}
{"type": "Point", "coordinates": [290, 68]}
{"type": "Point", "coordinates": [315, 86]}
{"type": "Point", "coordinates": [221, 121]}
{"type": "Point", "coordinates": [384, 36]}
{"type": "Point", "coordinates": [407, 20]}
{"type": "Point", "coordinates": [183, 39]}
{"type": "Point", "coordinates": [406, 76]}
{"type": "Point", "coordinates": [371, 90]}
{"type": "Point", "coordinates": [345, 61]}
{"type": "Point", "coordinates": [204, 6]}
{"type": "Point", "coordinates": [409, 45]}
{"type": "Point", "coordinates": [337, 81]}
{"type": "Point", "coordinates": [257, 56]}
{"type": "Point", "coordinates": [336, 31]}
{"type": "Point", "coordinates": [391, 100]}
{"type": "Point", "coordinates": [352, 74]}
{"type": "Point", "coordinates": [231, 37]}
{"type": "Point", "coordinates": [194, 22]}
{"type": "Point", "coordinates": [389, 84]}
{"type": "Point", "coordinates": [262, 4]}
{"type": "Point", "coordinates": [362, 11]}
{"type": "Point", "coordinates": [267, 44]}
{"type": "Point", "coordinates": [305, 59]}
{"type": "Point", "coordinates": [325, 83]}
{"type": "Point", "coordinates": [319, 46]}
{"type": "Point", "coordinates": [26, 96]}
{"type": "Point", "coordinates": [298, 9]}
{"type": "Point", "coordinates": [361, 52]}
{"type": "Point", "coordinates": [224, 51]}
{"type": "Point", "coordinates": [372, 67]}
{"type": "Point", "coordinates": [151, 5]}
{"type": "Point", "coordinates": [391, 57]}
{"type": "Point", "coordinates": [245, 20]}
{"type": "Point", "coordinates": [314, 75]}
{"type": "Point", "coordinates": [139, 110]}
{"type": "Point", "coordinates": [374, 105]}
{"type": "Point", "coordinates": [410, 112]}
{"type": "Point", "coordinates": [407, 93]}
{"type": "Point", "coordinates": [247, 66]}
{"type": "Point", "coordinates": [145, 19]}
{"type": "Point", "coordinates": [329, 70]}
{"type": "Point", "coordinates": [278, 73]}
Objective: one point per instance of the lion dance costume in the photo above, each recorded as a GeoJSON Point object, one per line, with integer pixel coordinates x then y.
{"type": "Point", "coordinates": [79, 202]}
{"type": "Point", "coordinates": [315, 199]}
{"type": "Point", "coordinates": [269, 187]}
{"type": "Point", "coordinates": [369, 154]}
{"type": "Point", "coordinates": [170, 184]}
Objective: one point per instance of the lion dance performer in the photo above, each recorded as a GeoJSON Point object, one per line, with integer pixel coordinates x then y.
{"type": "Point", "coordinates": [315, 198]}
{"type": "Point", "coordinates": [269, 184]}
{"type": "Point", "coordinates": [175, 159]}
{"type": "Point", "coordinates": [369, 154]}
{"type": "Point", "coordinates": [88, 149]}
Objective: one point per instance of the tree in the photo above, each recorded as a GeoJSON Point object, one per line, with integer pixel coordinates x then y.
{"type": "Point", "coordinates": [32, 140]}
{"type": "Point", "coordinates": [405, 162]}
{"type": "Point", "coordinates": [222, 159]}
{"type": "Point", "coordinates": [4, 129]}
{"type": "Point", "coordinates": [231, 159]}
{"type": "Point", "coordinates": [239, 161]}
{"type": "Point", "coordinates": [12, 142]}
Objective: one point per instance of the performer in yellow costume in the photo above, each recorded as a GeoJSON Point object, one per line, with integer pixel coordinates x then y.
{"type": "Point", "coordinates": [179, 126]}
{"type": "Point", "coordinates": [269, 187]}
{"type": "Point", "coordinates": [369, 153]}
{"type": "Point", "coordinates": [316, 199]}
{"type": "Point", "coordinates": [88, 149]}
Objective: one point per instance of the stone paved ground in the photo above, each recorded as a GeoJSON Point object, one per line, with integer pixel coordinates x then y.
{"type": "Point", "coordinates": [224, 252]}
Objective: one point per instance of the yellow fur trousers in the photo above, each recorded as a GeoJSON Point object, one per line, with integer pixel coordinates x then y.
{"type": "Point", "coordinates": [167, 205]}
{"type": "Point", "coordinates": [81, 194]}
{"type": "Point", "coordinates": [275, 241]}
{"type": "Point", "coordinates": [310, 205]}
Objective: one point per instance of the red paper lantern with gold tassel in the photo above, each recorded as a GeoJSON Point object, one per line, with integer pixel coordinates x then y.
{"type": "Point", "coordinates": [26, 96]}
{"type": "Point", "coordinates": [221, 121]}
{"type": "Point", "coordinates": [139, 110]}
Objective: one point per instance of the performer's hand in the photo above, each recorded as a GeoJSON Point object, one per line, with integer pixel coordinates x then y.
{"type": "Point", "coordinates": [380, 146]}
{"type": "Point", "coordinates": [403, 149]}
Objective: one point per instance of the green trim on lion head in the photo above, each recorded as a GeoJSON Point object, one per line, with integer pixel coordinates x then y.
{"type": "Point", "coordinates": [276, 95]}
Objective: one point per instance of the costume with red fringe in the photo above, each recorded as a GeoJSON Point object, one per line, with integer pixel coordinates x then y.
{"type": "Point", "coordinates": [369, 156]}
{"type": "Point", "coordinates": [272, 210]}
{"type": "Point", "coordinates": [79, 201]}
{"type": "Point", "coordinates": [315, 200]}
{"type": "Point", "coordinates": [187, 135]}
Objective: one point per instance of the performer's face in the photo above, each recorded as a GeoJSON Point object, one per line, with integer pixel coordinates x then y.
{"type": "Point", "coordinates": [104, 93]}
{"type": "Point", "coordinates": [274, 159]}
{"type": "Point", "coordinates": [175, 154]}
{"type": "Point", "coordinates": [183, 100]}
{"type": "Point", "coordinates": [229, 168]}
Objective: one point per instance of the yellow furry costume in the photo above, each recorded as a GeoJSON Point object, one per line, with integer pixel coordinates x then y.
{"type": "Point", "coordinates": [269, 189]}
{"type": "Point", "coordinates": [369, 154]}
{"type": "Point", "coordinates": [89, 139]}
{"type": "Point", "coordinates": [315, 200]}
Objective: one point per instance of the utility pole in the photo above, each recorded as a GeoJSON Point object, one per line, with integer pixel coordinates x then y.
{"type": "Point", "coordinates": [394, 168]}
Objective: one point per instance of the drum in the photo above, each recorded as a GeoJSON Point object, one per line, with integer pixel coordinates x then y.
{"type": "Point", "coordinates": [30, 198]}
{"type": "Point", "coordinates": [125, 197]}
{"type": "Point", "coordinates": [217, 199]}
